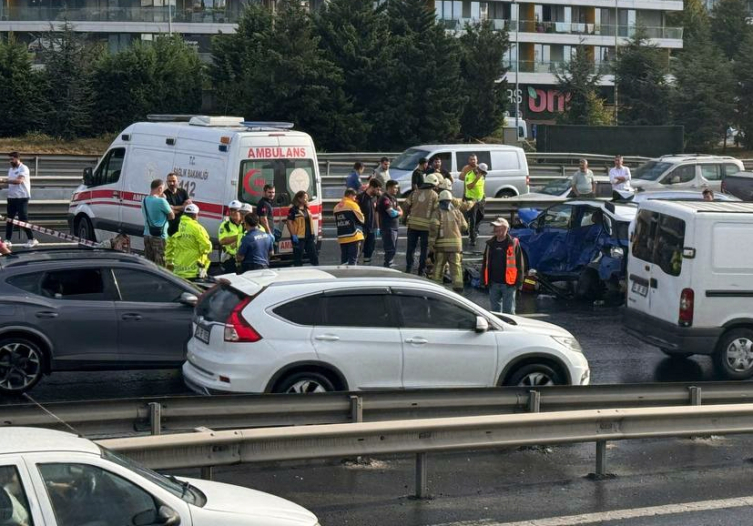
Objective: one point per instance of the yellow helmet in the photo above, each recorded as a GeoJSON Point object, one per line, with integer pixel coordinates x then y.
{"type": "Point", "coordinates": [431, 179]}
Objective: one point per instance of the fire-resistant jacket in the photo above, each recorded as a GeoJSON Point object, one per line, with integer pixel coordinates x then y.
{"type": "Point", "coordinates": [349, 220]}
{"type": "Point", "coordinates": [446, 233]}
{"type": "Point", "coordinates": [188, 249]}
{"type": "Point", "coordinates": [419, 208]}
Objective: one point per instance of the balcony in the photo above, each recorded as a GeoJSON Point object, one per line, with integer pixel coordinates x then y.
{"type": "Point", "coordinates": [124, 14]}
{"type": "Point", "coordinates": [527, 66]}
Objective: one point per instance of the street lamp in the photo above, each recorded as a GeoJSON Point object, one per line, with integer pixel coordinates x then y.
{"type": "Point", "coordinates": [616, 46]}
{"type": "Point", "coordinates": [170, 17]}
{"type": "Point", "coordinates": [517, 70]}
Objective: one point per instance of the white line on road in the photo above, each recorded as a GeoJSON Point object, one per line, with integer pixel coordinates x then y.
{"type": "Point", "coordinates": [592, 518]}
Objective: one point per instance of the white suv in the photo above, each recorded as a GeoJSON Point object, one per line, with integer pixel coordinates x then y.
{"type": "Point", "coordinates": [685, 172]}
{"type": "Point", "coordinates": [320, 329]}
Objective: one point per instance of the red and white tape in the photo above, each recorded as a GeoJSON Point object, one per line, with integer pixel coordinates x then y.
{"type": "Point", "coordinates": [50, 232]}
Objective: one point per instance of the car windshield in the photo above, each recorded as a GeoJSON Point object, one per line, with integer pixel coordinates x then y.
{"type": "Point", "coordinates": [409, 159]}
{"type": "Point", "coordinates": [557, 187]}
{"type": "Point", "coordinates": [651, 171]}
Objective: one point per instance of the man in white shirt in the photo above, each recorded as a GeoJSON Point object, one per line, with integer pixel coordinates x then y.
{"type": "Point", "coordinates": [620, 177]}
{"type": "Point", "coordinates": [19, 192]}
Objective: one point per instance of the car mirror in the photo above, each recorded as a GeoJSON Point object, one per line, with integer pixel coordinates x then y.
{"type": "Point", "coordinates": [88, 176]}
{"type": "Point", "coordinates": [189, 299]}
{"type": "Point", "coordinates": [167, 516]}
{"type": "Point", "coordinates": [482, 325]}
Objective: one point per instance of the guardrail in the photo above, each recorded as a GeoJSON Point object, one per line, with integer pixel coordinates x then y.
{"type": "Point", "coordinates": [184, 413]}
{"type": "Point", "coordinates": [207, 449]}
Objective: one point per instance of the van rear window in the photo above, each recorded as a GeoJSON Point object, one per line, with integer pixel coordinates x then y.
{"type": "Point", "coordinates": [659, 239]}
{"type": "Point", "coordinates": [287, 175]}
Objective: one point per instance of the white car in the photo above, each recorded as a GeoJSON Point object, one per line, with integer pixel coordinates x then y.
{"type": "Point", "coordinates": [685, 172]}
{"type": "Point", "coordinates": [317, 329]}
{"type": "Point", "coordinates": [51, 478]}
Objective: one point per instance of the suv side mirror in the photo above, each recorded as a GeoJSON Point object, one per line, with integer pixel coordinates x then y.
{"type": "Point", "coordinates": [88, 176]}
{"type": "Point", "coordinates": [482, 325]}
{"type": "Point", "coordinates": [167, 516]}
{"type": "Point", "coordinates": [189, 299]}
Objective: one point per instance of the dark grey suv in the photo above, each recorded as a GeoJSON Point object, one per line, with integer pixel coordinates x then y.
{"type": "Point", "coordinates": [84, 309]}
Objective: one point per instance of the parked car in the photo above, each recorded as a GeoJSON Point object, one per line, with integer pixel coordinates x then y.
{"type": "Point", "coordinates": [85, 309]}
{"type": "Point", "coordinates": [584, 241]}
{"type": "Point", "coordinates": [685, 172]}
{"type": "Point", "coordinates": [739, 185]}
{"type": "Point", "coordinates": [691, 280]}
{"type": "Point", "coordinates": [50, 478]}
{"type": "Point", "coordinates": [559, 189]}
{"type": "Point", "coordinates": [306, 330]}
{"type": "Point", "coordinates": [508, 166]}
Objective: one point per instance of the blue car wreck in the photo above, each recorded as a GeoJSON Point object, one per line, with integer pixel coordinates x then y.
{"type": "Point", "coordinates": [580, 241]}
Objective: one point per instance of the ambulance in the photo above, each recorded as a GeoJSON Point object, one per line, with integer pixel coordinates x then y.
{"type": "Point", "coordinates": [217, 160]}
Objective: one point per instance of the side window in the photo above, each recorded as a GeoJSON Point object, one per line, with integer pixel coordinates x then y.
{"type": "Point", "coordinates": [144, 287]}
{"type": "Point", "coordinates": [681, 174]}
{"type": "Point", "coordinates": [670, 238]}
{"type": "Point", "coordinates": [731, 169]}
{"type": "Point", "coordinates": [483, 157]}
{"type": "Point", "coordinates": [505, 161]}
{"type": "Point", "coordinates": [446, 160]}
{"type": "Point", "coordinates": [85, 494]}
{"type": "Point", "coordinates": [108, 171]}
{"type": "Point", "coordinates": [357, 310]}
{"type": "Point", "coordinates": [303, 311]}
{"type": "Point", "coordinates": [557, 217]}
{"type": "Point", "coordinates": [428, 312]}
{"type": "Point", "coordinates": [14, 506]}
{"type": "Point", "coordinates": [712, 172]}
{"type": "Point", "coordinates": [75, 284]}
{"type": "Point", "coordinates": [27, 282]}
{"type": "Point", "coordinates": [644, 235]}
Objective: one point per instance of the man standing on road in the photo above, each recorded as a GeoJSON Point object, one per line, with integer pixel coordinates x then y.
{"type": "Point", "coordinates": [583, 184]}
{"type": "Point", "coordinates": [436, 169]}
{"type": "Point", "coordinates": [265, 209]}
{"type": "Point", "coordinates": [178, 199]}
{"type": "Point", "coordinates": [349, 221]}
{"type": "Point", "coordinates": [620, 177]}
{"type": "Point", "coordinates": [157, 212]}
{"type": "Point", "coordinates": [502, 268]}
{"type": "Point", "coordinates": [417, 178]}
{"type": "Point", "coordinates": [230, 234]}
{"type": "Point", "coordinates": [382, 172]}
{"type": "Point", "coordinates": [446, 241]}
{"type": "Point", "coordinates": [255, 248]}
{"type": "Point", "coordinates": [475, 182]}
{"type": "Point", "coordinates": [388, 214]}
{"type": "Point", "coordinates": [188, 250]}
{"type": "Point", "coordinates": [367, 202]}
{"type": "Point", "coordinates": [19, 193]}
{"type": "Point", "coordinates": [419, 207]}
{"type": "Point", "coordinates": [353, 181]}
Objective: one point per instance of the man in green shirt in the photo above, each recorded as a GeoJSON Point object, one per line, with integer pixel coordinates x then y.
{"type": "Point", "coordinates": [475, 180]}
{"type": "Point", "coordinates": [583, 184]}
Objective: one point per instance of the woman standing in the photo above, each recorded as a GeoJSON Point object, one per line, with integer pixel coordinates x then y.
{"type": "Point", "coordinates": [301, 227]}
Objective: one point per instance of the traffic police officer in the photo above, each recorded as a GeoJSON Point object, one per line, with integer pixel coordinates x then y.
{"type": "Point", "coordinates": [188, 250]}
{"type": "Point", "coordinates": [446, 240]}
{"type": "Point", "coordinates": [230, 233]}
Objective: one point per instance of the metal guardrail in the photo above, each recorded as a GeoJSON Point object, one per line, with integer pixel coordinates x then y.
{"type": "Point", "coordinates": [184, 413]}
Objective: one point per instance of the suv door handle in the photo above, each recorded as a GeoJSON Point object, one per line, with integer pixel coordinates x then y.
{"type": "Point", "coordinates": [417, 341]}
{"type": "Point", "coordinates": [131, 316]}
{"type": "Point", "coordinates": [46, 314]}
{"type": "Point", "coordinates": [327, 338]}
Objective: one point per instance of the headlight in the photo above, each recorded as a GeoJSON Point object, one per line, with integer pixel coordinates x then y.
{"type": "Point", "coordinates": [569, 342]}
{"type": "Point", "coordinates": [617, 252]}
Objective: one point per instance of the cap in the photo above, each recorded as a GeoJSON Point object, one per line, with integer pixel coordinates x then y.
{"type": "Point", "coordinates": [500, 221]}
{"type": "Point", "coordinates": [247, 208]}
{"type": "Point", "coordinates": [482, 167]}
{"type": "Point", "coordinates": [235, 205]}
{"type": "Point", "coordinates": [191, 209]}
{"type": "Point", "coordinates": [431, 179]}
{"type": "Point", "coordinates": [445, 195]}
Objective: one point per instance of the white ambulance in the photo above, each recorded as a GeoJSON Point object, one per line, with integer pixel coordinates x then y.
{"type": "Point", "coordinates": [217, 160]}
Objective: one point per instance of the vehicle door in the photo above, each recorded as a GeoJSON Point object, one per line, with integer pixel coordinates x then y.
{"type": "Point", "coordinates": [711, 176]}
{"type": "Point", "coordinates": [441, 347]}
{"type": "Point", "coordinates": [547, 248]}
{"type": "Point", "coordinates": [357, 332]}
{"type": "Point", "coordinates": [641, 260]}
{"type": "Point", "coordinates": [19, 504]}
{"type": "Point", "coordinates": [153, 323]}
{"type": "Point", "coordinates": [145, 164]}
{"type": "Point", "coordinates": [684, 176]}
{"type": "Point", "coordinates": [584, 236]}
{"type": "Point", "coordinates": [104, 194]}
{"type": "Point", "coordinates": [506, 174]}
{"type": "Point", "coordinates": [75, 308]}
{"type": "Point", "coordinates": [670, 270]}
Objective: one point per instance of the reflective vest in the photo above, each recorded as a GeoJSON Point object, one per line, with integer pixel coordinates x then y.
{"type": "Point", "coordinates": [511, 268]}
{"type": "Point", "coordinates": [188, 249]}
{"type": "Point", "coordinates": [230, 229]}
{"type": "Point", "coordinates": [419, 208]}
{"type": "Point", "coordinates": [476, 193]}
{"type": "Point", "coordinates": [349, 220]}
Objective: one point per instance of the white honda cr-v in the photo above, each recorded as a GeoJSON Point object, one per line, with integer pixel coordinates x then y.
{"type": "Point", "coordinates": [333, 328]}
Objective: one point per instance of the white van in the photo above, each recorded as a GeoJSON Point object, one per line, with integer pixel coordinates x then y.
{"type": "Point", "coordinates": [217, 159]}
{"type": "Point", "coordinates": [685, 172]}
{"type": "Point", "coordinates": [508, 166]}
{"type": "Point", "coordinates": [690, 281]}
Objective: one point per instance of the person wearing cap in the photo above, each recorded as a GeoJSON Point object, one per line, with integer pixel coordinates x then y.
{"type": "Point", "coordinates": [19, 193]}
{"type": "Point", "coordinates": [256, 246]}
{"type": "Point", "coordinates": [417, 178]}
{"type": "Point", "coordinates": [502, 268]}
{"type": "Point", "coordinates": [388, 217]}
{"type": "Point", "coordinates": [417, 212]}
{"type": "Point", "coordinates": [475, 180]}
{"type": "Point", "coordinates": [300, 224]}
{"type": "Point", "coordinates": [178, 200]}
{"type": "Point", "coordinates": [446, 241]}
{"type": "Point", "coordinates": [382, 172]}
{"type": "Point", "coordinates": [188, 250]}
{"type": "Point", "coordinates": [157, 212]}
{"type": "Point", "coordinates": [230, 233]}
{"type": "Point", "coordinates": [350, 225]}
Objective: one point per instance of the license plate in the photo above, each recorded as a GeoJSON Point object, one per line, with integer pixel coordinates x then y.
{"type": "Point", "coordinates": [640, 289]}
{"type": "Point", "coordinates": [202, 334]}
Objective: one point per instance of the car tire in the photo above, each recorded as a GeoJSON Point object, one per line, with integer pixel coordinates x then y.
{"type": "Point", "coordinates": [84, 229]}
{"type": "Point", "coordinates": [676, 354]}
{"type": "Point", "coordinates": [21, 365]}
{"type": "Point", "coordinates": [734, 354]}
{"type": "Point", "coordinates": [535, 375]}
{"type": "Point", "coordinates": [305, 382]}
{"type": "Point", "coordinates": [589, 286]}
{"type": "Point", "coordinates": [505, 194]}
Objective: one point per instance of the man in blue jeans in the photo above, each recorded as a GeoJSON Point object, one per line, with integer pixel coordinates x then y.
{"type": "Point", "coordinates": [502, 268]}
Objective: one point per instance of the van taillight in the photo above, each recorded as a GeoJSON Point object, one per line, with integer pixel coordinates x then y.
{"type": "Point", "coordinates": [686, 308]}
{"type": "Point", "coordinates": [237, 329]}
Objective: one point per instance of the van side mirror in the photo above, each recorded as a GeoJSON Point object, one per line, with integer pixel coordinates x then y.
{"type": "Point", "coordinates": [482, 325]}
{"type": "Point", "coordinates": [88, 176]}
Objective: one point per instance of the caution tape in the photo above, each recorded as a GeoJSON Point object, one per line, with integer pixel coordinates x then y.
{"type": "Point", "coordinates": [50, 232]}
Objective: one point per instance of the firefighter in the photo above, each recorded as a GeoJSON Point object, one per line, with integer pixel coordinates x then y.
{"type": "Point", "coordinates": [350, 224]}
{"type": "Point", "coordinates": [463, 206]}
{"type": "Point", "coordinates": [188, 250]}
{"type": "Point", "coordinates": [230, 233]}
{"type": "Point", "coordinates": [446, 240]}
{"type": "Point", "coordinates": [417, 212]}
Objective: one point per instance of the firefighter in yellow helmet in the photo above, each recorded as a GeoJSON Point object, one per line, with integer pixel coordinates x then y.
{"type": "Point", "coordinates": [187, 253]}
{"type": "Point", "coordinates": [417, 212]}
{"type": "Point", "coordinates": [463, 206]}
{"type": "Point", "coordinates": [446, 240]}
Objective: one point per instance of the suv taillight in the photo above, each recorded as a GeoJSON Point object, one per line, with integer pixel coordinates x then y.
{"type": "Point", "coordinates": [686, 308]}
{"type": "Point", "coordinates": [528, 180]}
{"type": "Point", "coordinates": [238, 329]}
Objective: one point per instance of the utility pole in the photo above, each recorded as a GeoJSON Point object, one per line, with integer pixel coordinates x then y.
{"type": "Point", "coordinates": [517, 68]}
{"type": "Point", "coordinates": [614, 62]}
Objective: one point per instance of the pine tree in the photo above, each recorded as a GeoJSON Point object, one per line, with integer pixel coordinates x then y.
{"type": "Point", "coordinates": [580, 83]}
{"type": "Point", "coordinates": [693, 19]}
{"type": "Point", "coordinates": [640, 73]}
{"type": "Point", "coordinates": [20, 100]}
{"type": "Point", "coordinates": [744, 77]}
{"type": "Point", "coordinates": [729, 25]}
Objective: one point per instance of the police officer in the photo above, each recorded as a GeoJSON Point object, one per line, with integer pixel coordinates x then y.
{"type": "Point", "coordinates": [446, 240]}
{"type": "Point", "coordinates": [230, 233]}
{"type": "Point", "coordinates": [188, 250]}
{"type": "Point", "coordinates": [256, 246]}
{"type": "Point", "coordinates": [417, 212]}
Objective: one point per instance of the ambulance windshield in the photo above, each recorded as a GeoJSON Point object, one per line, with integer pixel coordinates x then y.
{"type": "Point", "coordinates": [287, 175]}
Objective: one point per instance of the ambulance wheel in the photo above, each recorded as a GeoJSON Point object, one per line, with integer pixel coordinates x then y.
{"type": "Point", "coordinates": [84, 229]}
{"type": "Point", "coordinates": [734, 354]}
{"type": "Point", "coordinates": [589, 286]}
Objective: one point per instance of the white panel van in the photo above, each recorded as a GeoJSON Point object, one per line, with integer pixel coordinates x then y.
{"type": "Point", "coordinates": [690, 281]}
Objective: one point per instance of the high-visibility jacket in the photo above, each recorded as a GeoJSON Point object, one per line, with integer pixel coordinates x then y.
{"type": "Point", "coordinates": [230, 229]}
{"type": "Point", "coordinates": [476, 193]}
{"type": "Point", "coordinates": [349, 220]}
{"type": "Point", "coordinates": [446, 232]}
{"type": "Point", "coordinates": [188, 249]}
{"type": "Point", "coordinates": [513, 263]}
{"type": "Point", "coordinates": [419, 208]}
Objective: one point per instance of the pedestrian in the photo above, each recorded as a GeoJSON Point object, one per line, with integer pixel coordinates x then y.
{"type": "Point", "coordinates": [620, 177]}
{"type": "Point", "coordinates": [382, 172]}
{"type": "Point", "coordinates": [188, 250]}
{"type": "Point", "coordinates": [471, 166]}
{"type": "Point", "coordinates": [708, 194]}
{"type": "Point", "coordinates": [436, 168]}
{"type": "Point", "coordinates": [388, 217]}
{"type": "Point", "coordinates": [265, 209]}
{"type": "Point", "coordinates": [256, 246]}
{"type": "Point", "coordinates": [178, 199]}
{"type": "Point", "coordinates": [367, 201]}
{"type": "Point", "coordinates": [353, 180]}
{"type": "Point", "coordinates": [350, 225]}
{"type": "Point", "coordinates": [19, 193]}
{"type": "Point", "coordinates": [230, 233]}
{"type": "Point", "coordinates": [418, 210]}
{"type": "Point", "coordinates": [446, 241]}
{"type": "Point", "coordinates": [301, 227]}
{"type": "Point", "coordinates": [583, 184]}
{"type": "Point", "coordinates": [157, 212]}
{"type": "Point", "coordinates": [475, 180]}
{"type": "Point", "coordinates": [417, 178]}
{"type": "Point", "coordinates": [502, 268]}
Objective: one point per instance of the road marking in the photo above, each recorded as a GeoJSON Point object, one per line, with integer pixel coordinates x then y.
{"type": "Point", "coordinates": [635, 513]}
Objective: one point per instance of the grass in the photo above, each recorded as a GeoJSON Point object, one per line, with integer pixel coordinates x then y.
{"type": "Point", "coordinates": [39, 143]}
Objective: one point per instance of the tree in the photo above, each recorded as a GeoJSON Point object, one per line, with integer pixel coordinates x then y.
{"type": "Point", "coordinates": [744, 73]}
{"type": "Point", "coordinates": [20, 101]}
{"type": "Point", "coordinates": [693, 19]}
{"type": "Point", "coordinates": [640, 73]}
{"type": "Point", "coordinates": [580, 83]}
{"type": "Point", "coordinates": [482, 70]}
{"type": "Point", "coordinates": [729, 25]}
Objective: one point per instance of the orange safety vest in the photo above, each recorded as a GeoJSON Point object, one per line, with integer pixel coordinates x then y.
{"type": "Point", "coordinates": [511, 270]}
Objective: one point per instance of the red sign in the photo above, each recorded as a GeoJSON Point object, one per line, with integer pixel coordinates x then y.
{"type": "Point", "coordinates": [540, 100]}
{"type": "Point", "coordinates": [277, 152]}
{"type": "Point", "coordinates": [255, 186]}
